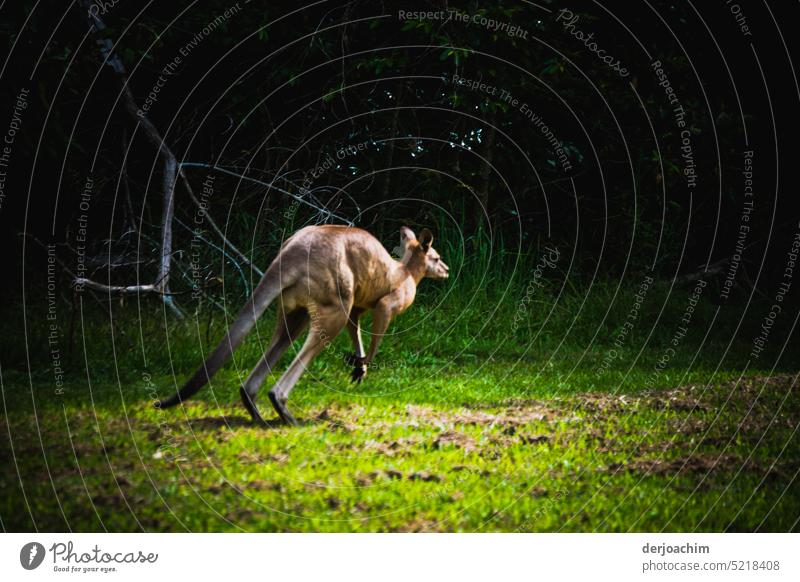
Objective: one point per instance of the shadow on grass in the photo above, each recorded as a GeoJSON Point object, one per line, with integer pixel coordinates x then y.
{"type": "Point", "coordinates": [214, 423]}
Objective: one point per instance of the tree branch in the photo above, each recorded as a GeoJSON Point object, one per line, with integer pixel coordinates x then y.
{"type": "Point", "coordinates": [161, 284]}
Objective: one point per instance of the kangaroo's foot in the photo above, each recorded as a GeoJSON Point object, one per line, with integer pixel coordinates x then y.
{"type": "Point", "coordinates": [280, 408]}
{"type": "Point", "coordinates": [359, 367]}
{"type": "Point", "coordinates": [358, 373]}
{"type": "Point", "coordinates": [250, 405]}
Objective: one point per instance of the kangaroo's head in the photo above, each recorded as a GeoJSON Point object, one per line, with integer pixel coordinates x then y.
{"type": "Point", "coordinates": [420, 253]}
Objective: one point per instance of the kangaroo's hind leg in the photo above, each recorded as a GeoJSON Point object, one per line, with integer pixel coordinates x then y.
{"type": "Point", "coordinates": [288, 328]}
{"type": "Point", "coordinates": [326, 325]}
{"type": "Point", "coordinates": [356, 359]}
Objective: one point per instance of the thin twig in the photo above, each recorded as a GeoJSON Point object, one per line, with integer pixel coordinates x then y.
{"type": "Point", "coordinates": [222, 250]}
{"type": "Point", "coordinates": [300, 199]}
{"type": "Point", "coordinates": [216, 228]}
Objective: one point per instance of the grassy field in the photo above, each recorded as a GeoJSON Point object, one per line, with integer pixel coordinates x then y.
{"type": "Point", "coordinates": [468, 423]}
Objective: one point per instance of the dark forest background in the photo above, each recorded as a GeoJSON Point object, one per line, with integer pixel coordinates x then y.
{"type": "Point", "coordinates": [274, 90]}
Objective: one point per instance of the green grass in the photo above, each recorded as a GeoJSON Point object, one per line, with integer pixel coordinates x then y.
{"type": "Point", "coordinates": [465, 425]}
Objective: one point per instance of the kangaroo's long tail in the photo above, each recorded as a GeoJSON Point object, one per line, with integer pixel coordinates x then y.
{"type": "Point", "coordinates": [267, 290]}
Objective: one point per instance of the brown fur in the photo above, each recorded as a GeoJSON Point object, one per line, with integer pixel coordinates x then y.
{"type": "Point", "coordinates": [325, 278]}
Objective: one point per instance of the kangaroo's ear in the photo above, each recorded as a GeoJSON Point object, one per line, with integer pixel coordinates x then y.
{"type": "Point", "coordinates": [425, 239]}
{"type": "Point", "coordinates": [406, 236]}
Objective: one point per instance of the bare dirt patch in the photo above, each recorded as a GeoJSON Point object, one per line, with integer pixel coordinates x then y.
{"type": "Point", "coordinates": [512, 416]}
{"type": "Point", "coordinates": [454, 438]}
{"type": "Point", "coordinates": [398, 447]}
{"type": "Point", "coordinates": [699, 464]}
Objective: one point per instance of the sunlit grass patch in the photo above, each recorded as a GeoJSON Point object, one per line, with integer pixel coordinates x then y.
{"type": "Point", "coordinates": [694, 458]}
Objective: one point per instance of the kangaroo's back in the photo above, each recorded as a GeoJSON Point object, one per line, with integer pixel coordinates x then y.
{"type": "Point", "coordinates": [323, 264]}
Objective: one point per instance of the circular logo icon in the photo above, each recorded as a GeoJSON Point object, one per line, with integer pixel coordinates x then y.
{"type": "Point", "coordinates": [31, 555]}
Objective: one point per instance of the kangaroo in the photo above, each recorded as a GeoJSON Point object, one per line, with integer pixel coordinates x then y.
{"type": "Point", "coordinates": [325, 278]}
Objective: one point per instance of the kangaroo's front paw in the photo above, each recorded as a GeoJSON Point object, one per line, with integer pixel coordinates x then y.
{"type": "Point", "coordinates": [353, 360]}
{"type": "Point", "coordinates": [358, 373]}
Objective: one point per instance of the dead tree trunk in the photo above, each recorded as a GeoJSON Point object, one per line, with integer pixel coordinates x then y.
{"type": "Point", "coordinates": [171, 172]}
{"type": "Point", "coordinates": [161, 284]}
